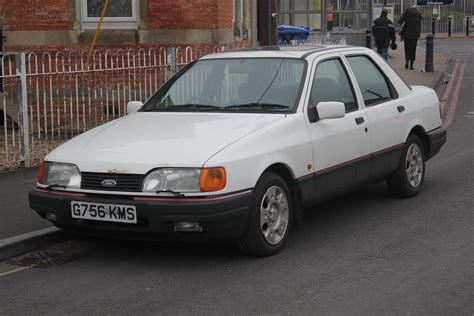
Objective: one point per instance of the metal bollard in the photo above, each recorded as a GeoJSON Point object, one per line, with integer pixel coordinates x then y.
{"type": "Point", "coordinates": [368, 38]}
{"type": "Point", "coordinates": [450, 25]}
{"type": "Point", "coordinates": [429, 67]}
{"type": "Point", "coordinates": [433, 26]}
{"type": "Point", "coordinates": [468, 20]}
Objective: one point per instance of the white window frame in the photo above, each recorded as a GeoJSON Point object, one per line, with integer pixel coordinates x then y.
{"type": "Point", "coordinates": [110, 22]}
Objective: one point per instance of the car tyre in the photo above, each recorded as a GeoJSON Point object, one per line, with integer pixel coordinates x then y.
{"type": "Point", "coordinates": [270, 217]}
{"type": "Point", "coordinates": [407, 180]}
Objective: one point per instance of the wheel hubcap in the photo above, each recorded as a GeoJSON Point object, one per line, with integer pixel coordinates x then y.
{"type": "Point", "coordinates": [414, 165]}
{"type": "Point", "coordinates": [274, 215]}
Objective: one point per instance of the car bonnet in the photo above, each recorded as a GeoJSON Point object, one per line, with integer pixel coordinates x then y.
{"type": "Point", "coordinates": [143, 141]}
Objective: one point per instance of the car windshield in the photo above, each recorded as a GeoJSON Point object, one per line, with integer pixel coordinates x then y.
{"type": "Point", "coordinates": [243, 85]}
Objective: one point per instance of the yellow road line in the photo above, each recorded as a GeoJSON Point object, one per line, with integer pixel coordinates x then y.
{"type": "Point", "coordinates": [13, 271]}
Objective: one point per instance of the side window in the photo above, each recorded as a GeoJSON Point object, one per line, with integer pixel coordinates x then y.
{"type": "Point", "coordinates": [373, 84]}
{"type": "Point", "coordinates": [332, 84]}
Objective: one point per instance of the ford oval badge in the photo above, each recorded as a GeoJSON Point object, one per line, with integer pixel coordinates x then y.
{"type": "Point", "coordinates": [109, 183]}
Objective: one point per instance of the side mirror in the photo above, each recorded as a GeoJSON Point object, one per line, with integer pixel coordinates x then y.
{"type": "Point", "coordinates": [330, 110]}
{"type": "Point", "coordinates": [133, 106]}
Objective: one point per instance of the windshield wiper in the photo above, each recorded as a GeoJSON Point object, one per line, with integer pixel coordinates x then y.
{"type": "Point", "coordinates": [194, 106]}
{"type": "Point", "coordinates": [257, 106]}
{"type": "Point", "coordinates": [188, 106]}
{"type": "Point", "coordinates": [177, 194]}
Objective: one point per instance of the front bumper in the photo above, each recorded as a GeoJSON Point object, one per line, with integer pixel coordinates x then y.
{"type": "Point", "coordinates": [437, 140]}
{"type": "Point", "coordinates": [219, 216]}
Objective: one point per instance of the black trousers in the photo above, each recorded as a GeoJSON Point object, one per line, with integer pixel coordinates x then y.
{"type": "Point", "coordinates": [410, 48]}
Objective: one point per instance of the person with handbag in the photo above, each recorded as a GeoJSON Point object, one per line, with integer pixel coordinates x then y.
{"type": "Point", "coordinates": [384, 34]}
{"type": "Point", "coordinates": [410, 33]}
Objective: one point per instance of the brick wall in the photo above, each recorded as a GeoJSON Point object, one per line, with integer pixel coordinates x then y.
{"type": "Point", "coordinates": [224, 14]}
{"type": "Point", "coordinates": [185, 14]}
{"type": "Point", "coordinates": [162, 14]}
{"type": "Point", "coordinates": [34, 14]}
{"type": "Point", "coordinates": [53, 24]}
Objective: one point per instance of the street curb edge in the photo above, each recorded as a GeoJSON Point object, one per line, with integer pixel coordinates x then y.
{"type": "Point", "coordinates": [438, 76]}
{"type": "Point", "coordinates": [17, 245]}
{"type": "Point", "coordinates": [435, 81]}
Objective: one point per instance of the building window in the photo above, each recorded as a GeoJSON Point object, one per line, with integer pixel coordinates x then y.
{"type": "Point", "coordinates": [341, 15]}
{"type": "Point", "coordinates": [301, 13]}
{"type": "Point", "coordinates": [347, 15]}
{"type": "Point", "coordinates": [120, 14]}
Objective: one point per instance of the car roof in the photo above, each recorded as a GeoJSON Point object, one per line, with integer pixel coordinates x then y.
{"type": "Point", "coordinates": [289, 51]}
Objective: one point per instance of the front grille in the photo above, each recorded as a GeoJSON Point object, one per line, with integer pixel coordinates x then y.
{"type": "Point", "coordinates": [125, 182]}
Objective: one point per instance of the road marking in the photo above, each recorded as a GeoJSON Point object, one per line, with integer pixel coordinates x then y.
{"type": "Point", "coordinates": [456, 58]}
{"type": "Point", "coordinates": [446, 93]}
{"type": "Point", "coordinates": [2, 274]}
{"type": "Point", "coordinates": [454, 101]}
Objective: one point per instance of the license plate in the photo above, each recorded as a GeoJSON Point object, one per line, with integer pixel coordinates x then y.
{"type": "Point", "coordinates": [104, 212]}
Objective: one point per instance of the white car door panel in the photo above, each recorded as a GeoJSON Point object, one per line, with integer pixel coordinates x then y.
{"type": "Point", "coordinates": [341, 147]}
{"type": "Point", "coordinates": [341, 152]}
{"type": "Point", "coordinates": [388, 121]}
{"type": "Point", "coordinates": [387, 113]}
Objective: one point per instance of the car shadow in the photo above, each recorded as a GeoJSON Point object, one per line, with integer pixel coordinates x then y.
{"type": "Point", "coordinates": [321, 218]}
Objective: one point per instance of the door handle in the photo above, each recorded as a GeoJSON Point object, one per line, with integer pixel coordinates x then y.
{"type": "Point", "coordinates": [400, 108]}
{"type": "Point", "coordinates": [359, 120]}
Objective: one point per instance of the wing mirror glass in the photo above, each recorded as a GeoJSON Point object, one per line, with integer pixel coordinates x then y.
{"type": "Point", "coordinates": [330, 110]}
{"type": "Point", "coordinates": [133, 106]}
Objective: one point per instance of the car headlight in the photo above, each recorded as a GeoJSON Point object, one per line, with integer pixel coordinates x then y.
{"type": "Point", "coordinates": [179, 180]}
{"type": "Point", "coordinates": [59, 174]}
{"type": "Point", "coordinates": [185, 180]}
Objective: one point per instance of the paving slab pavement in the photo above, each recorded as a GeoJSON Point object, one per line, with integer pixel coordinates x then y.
{"type": "Point", "coordinates": [418, 76]}
{"type": "Point", "coordinates": [446, 36]}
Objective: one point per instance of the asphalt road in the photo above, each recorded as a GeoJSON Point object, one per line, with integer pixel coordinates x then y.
{"type": "Point", "coordinates": [16, 216]}
{"type": "Point", "coordinates": [364, 253]}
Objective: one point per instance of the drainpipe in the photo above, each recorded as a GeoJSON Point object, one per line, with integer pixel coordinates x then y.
{"type": "Point", "coordinates": [254, 23]}
{"type": "Point", "coordinates": [324, 20]}
{"type": "Point", "coordinates": [269, 22]}
{"type": "Point", "coordinates": [368, 32]}
{"type": "Point", "coordinates": [371, 13]}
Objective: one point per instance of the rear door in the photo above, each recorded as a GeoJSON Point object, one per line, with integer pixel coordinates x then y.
{"type": "Point", "coordinates": [386, 112]}
{"type": "Point", "coordinates": [341, 147]}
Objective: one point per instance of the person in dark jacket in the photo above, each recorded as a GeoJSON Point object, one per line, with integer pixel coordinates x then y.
{"type": "Point", "coordinates": [384, 33]}
{"type": "Point", "coordinates": [411, 28]}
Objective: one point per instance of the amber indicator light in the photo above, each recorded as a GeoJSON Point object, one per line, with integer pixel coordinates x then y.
{"type": "Point", "coordinates": [41, 171]}
{"type": "Point", "coordinates": [212, 179]}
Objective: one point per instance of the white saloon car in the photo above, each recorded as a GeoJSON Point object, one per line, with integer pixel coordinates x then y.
{"type": "Point", "coordinates": [238, 143]}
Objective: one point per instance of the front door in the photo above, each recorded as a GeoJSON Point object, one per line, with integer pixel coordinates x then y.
{"type": "Point", "coordinates": [341, 147]}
